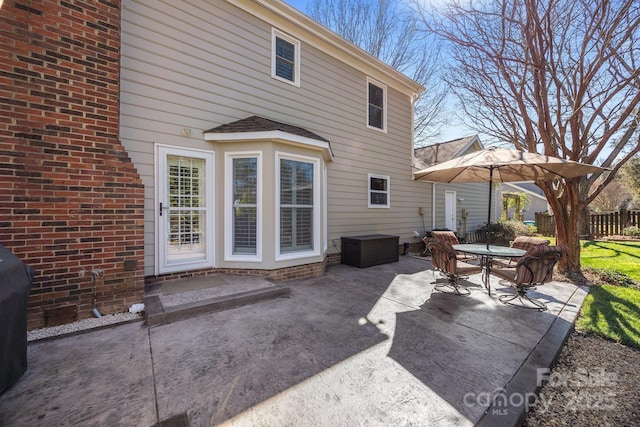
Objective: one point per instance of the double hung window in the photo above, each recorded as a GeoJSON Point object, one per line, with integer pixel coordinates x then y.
{"type": "Point", "coordinates": [377, 105]}
{"type": "Point", "coordinates": [379, 191]}
{"type": "Point", "coordinates": [285, 58]}
{"type": "Point", "coordinates": [243, 204]}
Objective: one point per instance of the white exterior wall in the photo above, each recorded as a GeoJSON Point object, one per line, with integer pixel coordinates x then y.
{"type": "Point", "coordinates": [189, 67]}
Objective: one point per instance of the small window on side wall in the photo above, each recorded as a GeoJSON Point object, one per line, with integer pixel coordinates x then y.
{"type": "Point", "coordinates": [379, 196]}
{"type": "Point", "coordinates": [377, 105]}
{"type": "Point", "coordinates": [285, 58]}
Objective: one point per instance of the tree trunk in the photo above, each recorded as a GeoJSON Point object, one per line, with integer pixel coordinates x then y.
{"type": "Point", "coordinates": [571, 262]}
{"type": "Point", "coordinates": [568, 212]}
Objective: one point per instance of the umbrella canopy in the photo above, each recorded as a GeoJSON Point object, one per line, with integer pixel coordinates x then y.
{"type": "Point", "coordinates": [505, 165]}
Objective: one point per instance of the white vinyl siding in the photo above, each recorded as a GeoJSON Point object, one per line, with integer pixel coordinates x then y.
{"type": "Point", "coordinates": [243, 205]}
{"type": "Point", "coordinates": [191, 66]}
{"type": "Point", "coordinates": [298, 207]}
{"type": "Point", "coordinates": [285, 58]}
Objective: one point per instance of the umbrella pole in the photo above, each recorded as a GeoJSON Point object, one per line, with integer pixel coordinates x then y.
{"type": "Point", "coordinates": [489, 218]}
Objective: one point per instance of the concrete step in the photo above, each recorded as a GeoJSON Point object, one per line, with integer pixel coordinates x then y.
{"type": "Point", "coordinates": [159, 314]}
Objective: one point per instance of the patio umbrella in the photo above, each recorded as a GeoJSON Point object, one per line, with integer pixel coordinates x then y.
{"type": "Point", "coordinates": [503, 165]}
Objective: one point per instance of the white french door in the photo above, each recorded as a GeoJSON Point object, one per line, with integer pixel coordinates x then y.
{"type": "Point", "coordinates": [185, 209]}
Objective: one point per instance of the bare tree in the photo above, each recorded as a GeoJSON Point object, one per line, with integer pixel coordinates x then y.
{"type": "Point", "coordinates": [559, 77]}
{"type": "Point", "coordinates": [612, 197]}
{"type": "Point", "coordinates": [390, 31]}
{"type": "Point", "coordinates": [630, 178]}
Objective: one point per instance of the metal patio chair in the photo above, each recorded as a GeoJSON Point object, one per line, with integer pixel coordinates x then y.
{"type": "Point", "coordinates": [444, 260]}
{"type": "Point", "coordinates": [532, 270]}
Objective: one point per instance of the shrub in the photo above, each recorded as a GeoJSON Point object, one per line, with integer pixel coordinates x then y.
{"type": "Point", "coordinates": [632, 231]}
{"type": "Point", "coordinates": [502, 232]}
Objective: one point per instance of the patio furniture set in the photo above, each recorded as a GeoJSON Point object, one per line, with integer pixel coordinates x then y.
{"type": "Point", "coordinates": [526, 263]}
{"type": "Point", "coordinates": [534, 266]}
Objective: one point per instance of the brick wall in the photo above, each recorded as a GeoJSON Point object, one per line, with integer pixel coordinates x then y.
{"type": "Point", "coordinates": [71, 201]}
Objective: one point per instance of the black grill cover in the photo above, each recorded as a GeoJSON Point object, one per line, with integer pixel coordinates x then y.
{"type": "Point", "coordinates": [15, 283]}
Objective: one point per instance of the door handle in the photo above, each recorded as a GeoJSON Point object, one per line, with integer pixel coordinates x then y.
{"type": "Point", "coordinates": [160, 208]}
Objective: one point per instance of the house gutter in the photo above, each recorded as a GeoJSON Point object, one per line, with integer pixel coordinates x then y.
{"type": "Point", "coordinates": [433, 205]}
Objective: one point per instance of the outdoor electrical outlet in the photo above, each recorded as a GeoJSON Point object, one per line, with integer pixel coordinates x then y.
{"type": "Point", "coordinates": [421, 211]}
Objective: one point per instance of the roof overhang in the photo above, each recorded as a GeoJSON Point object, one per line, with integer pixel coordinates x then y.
{"type": "Point", "coordinates": [273, 136]}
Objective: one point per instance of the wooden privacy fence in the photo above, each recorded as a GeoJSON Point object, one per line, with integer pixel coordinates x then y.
{"type": "Point", "coordinates": [600, 224]}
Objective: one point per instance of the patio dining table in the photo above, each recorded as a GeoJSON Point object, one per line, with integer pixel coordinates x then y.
{"type": "Point", "coordinates": [486, 255]}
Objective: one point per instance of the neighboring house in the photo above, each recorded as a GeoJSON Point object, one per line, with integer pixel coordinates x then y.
{"type": "Point", "coordinates": [538, 201]}
{"type": "Point", "coordinates": [458, 207]}
{"type": "Point", "coordinates": [146, 141]}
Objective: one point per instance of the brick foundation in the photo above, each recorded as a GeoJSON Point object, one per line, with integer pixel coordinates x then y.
{"type": "Point", "coordinates": [71, 200]}
{"type": "Point", "coordinates": [281, 274]}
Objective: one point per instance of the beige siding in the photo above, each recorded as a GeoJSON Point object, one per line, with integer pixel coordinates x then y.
{"type": "Point", "coordinates": [201, 64]}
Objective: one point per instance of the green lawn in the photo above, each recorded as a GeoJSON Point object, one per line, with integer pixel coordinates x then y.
{"type": "Point", "coordinates": [623, 257]}
{"type": "Point", "coordinates": [612, 311]}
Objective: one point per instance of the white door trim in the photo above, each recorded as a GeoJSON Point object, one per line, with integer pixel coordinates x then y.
{"type": "Point", "coordinates": [206, 260]}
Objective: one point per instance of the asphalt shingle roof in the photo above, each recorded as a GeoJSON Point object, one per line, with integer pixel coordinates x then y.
{"type": "Point", "coordinates": [442, 151]}
{"type": "Point", "coordinates": [261, 124]}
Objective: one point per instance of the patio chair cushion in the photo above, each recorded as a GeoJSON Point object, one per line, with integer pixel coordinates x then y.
{"type": "Point", "coordinates": [534, 268]}
{"type": "Point", "coordinates": [445, 260]}
{"type": "Point", "coordinates": [451, 238]}
{"type": "Point", "coordinates": [445, 236]}
{"type": "Point", "coordinates": [526, 243]}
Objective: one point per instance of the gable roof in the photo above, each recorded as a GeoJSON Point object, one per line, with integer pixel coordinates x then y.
{"type": "Point", "coordinates": [256, 128]}
{"type": "Point", "coordinates": [443, 151]}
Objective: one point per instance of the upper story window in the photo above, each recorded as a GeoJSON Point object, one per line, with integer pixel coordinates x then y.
{"type": "Point", "coordinates": [377, 105]}
{"type": "Point", "coordinates": [285, 58]}
{"type": "Point", "coordinates": [379, 191]}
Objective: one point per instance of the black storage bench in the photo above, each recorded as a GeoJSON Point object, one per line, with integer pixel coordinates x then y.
{"type": "Point", "coordinates": [373, 249]}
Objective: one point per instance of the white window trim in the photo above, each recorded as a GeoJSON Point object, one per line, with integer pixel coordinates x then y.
{"type": "Point", "coordinates": [384, 105]}
{"type": "Point", "coordinates": [373, 175]}
{"type": "Point", "coordinates": [325, 203]}
{"type": "Point", "coordinates": [296, 43]}
{"type": "Point", "coordinates": [317, 211]}
{"type": "Point", "coordinates": [228, 207]}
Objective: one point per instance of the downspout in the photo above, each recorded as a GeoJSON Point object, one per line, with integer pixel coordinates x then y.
{"type": "Point", "coordinates": [433, 205]}
{"type": "Point", "coordinates": [433, 194]}
{"type": "Point", "coordinates": [94, 275]}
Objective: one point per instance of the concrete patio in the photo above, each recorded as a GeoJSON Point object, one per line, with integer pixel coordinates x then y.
{"type": "Point", "coordinates": [370, 346]}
